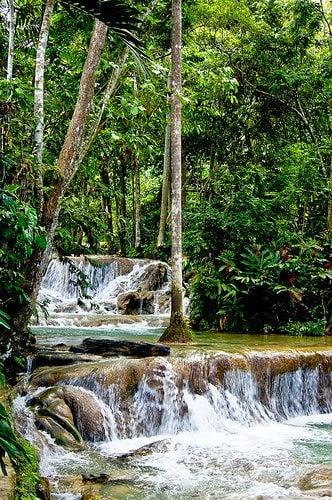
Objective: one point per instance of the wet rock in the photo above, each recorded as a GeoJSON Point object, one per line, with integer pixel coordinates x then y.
{"type": "Point", "coordinates": [318, 483]}
{"type": "Point", "coordinates": [61, 436]}
{"type": "Point", "coordinates": [70, 415]}
{"type": "Point", "coordinates": [60, 358]}
{"type": "Point", "coordinates": [104, 478]}
{"type": "Point", "coordinates": [87, 412]}
{"type": "Point", "coordinates": [54, 416]}
{"type": "Point", "coordinates": [154, 276]}
{"type": "Point", "coordinates": [106, 347]}
{"type": "Point", "coordinates": [44, 490]}
{"type": "Point", "coordinates": [148, 449]}
{"type": "Point", "coordinates": [135, 303]}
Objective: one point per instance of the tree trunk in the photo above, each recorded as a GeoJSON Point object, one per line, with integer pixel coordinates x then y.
{"type": "Point", "coordinates": [11, 37]}
{"type": "Point", "coordinates": [19, 340]}
{"type": "Point", "coordinates": [8, 13]}
{"type": "Point", "coordinates": [178, 330]}
{"type": "Point", "coordinates": [111, 87]}
{"type": "Point", "coordinates": [107, 204]}
{"type": "Point", "coordinates": [329, 208]}
{"type": "Point", "coordinates": [166, 180]}
{"type": "Point", "coordinates": [39, 98]}
{"type": "Point", "coordinates": [137, 203]}
{"type": "Point", "coordinates": [122, 207]}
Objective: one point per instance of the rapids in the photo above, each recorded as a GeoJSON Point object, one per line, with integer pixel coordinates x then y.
{"type": "Point", "coordinates": [81, 291]}
{"type": "Point", "coordinates": [230, 417]}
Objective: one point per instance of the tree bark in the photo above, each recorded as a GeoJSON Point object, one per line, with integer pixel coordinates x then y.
{"type": "Point", "coordinates": [39, 98]}
{"type": "Point", "coordinates": [166, 180]}
{"type": "Point", "coordinates": [329, 208]}
{"type": "Point", "coordinates": [11, 37]}
{"type": "Point", "coordinates": [137, 203]}
{"type": "Point", "coordinates": [121, 207]}
{"type": "Point", "coordinates": [178, 330]}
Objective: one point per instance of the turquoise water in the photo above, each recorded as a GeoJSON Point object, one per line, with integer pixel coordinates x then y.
{"type": "Point", "coordinates": [228, 342]}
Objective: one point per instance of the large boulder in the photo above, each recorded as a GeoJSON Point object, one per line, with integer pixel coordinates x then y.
{"type": "Point", "coordinates": [70, 415]}
{"type": "Point", "coordinates": [154, 276]}
{"type": "Point", "coordinates": [135, 303]}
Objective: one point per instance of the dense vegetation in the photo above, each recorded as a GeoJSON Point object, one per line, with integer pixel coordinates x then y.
{"type": "Point", "coordinates": [256, 127]}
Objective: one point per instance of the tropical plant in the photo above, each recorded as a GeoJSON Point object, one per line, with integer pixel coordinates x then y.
{"type": "Point", "coordinates": [9, 442]}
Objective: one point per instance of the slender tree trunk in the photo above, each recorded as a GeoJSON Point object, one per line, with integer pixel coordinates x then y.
{"type": "Point", "coordinates": [121, 207]}
{"type": "Point", "coordinates": [107, 204]}
{"type": "Point", "coordinates": [8, 14]}
{"type": "Point", "coordinates": [111, 87]}
{"type": "Point", "coordinates": [11, 37]}
{"type": "Point", "coordinates": [329, 209]}
{"type": "Point", "coordinates": [178, 330]}
{"type": "Point", "coordinates": [39, 97]}
{"type": "Point", "coordinates": [137, 203]}
{"type": "Point", "coordinates": [166, 180]}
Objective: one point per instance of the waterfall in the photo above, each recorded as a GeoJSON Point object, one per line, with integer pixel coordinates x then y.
{"type": "Point", "coordinates": [110, 286]}
{"type": "Point", "coordinates": [165, 396]}
{"type": "Point", "coordinates": [179, 422]}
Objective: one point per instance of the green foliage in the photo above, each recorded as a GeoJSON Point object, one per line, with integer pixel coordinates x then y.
{"type": "Point", "coordinates": [10, 445]}
{"type": "Point", "coordinates": [19, 236]}
{"type": "Point", "coordinates": [256, 154]}
{"type": "Point", "coordinates": [4, 317]}
{"type": "Point", "coordinates": [27, 475]}
{"type": "Point", "coordinates": [309, 328]}
{"type": "Point", "coordinates": [267, 289]}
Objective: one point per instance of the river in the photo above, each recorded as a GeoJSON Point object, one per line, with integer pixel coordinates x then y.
{"type": "Point", "coordinates": [244, 417]}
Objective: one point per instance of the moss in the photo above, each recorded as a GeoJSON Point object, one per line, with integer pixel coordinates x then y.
{"type": "Point", "coordinates": [178, 331]}
{"type": "Point", "coordinates": [27, 476]}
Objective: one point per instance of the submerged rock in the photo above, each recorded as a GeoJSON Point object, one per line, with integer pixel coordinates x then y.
{"type": "Point", "coordinates": [318, 483]}
{"type": "Point", "coordinates": [53, 357]}
{"type": "Point", "coordinates": [106, 347]}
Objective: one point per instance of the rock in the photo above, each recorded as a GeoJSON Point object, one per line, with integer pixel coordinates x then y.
{"type": "Point", "coordinates": [61, 436]}
{"type": "Point", "coordinates": [155, 446]}
{"type": "Point", "coordinates": [318, 483]}
{"type": "Point", "coordinates": [105, 478]}
{"type": "Point", "coordinates": [70, 415]}
{"type": "Point", "coordinates": [53, 415]}
{"type": "Point", "coordinates": [135, 303]}
{"type": "Point", "coordinates": [44, 490]}
{"type": "Point", "coordinates": [106, 347]}
{"type": "Point", "coordinates": [87, 412]}
{"type": "Point", "coordinates": [153, 277]}
{"type": "Point", "coordinates": [61, 358]}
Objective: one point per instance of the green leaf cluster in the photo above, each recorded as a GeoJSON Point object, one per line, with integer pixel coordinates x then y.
{"type": "Point", "coordinates": [20, 234]}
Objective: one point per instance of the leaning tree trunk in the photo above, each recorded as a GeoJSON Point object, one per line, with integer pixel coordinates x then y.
{"type": "Point", "coordinates": [178, 330]}
{"type": "Point", "coordinates": [19, 340]}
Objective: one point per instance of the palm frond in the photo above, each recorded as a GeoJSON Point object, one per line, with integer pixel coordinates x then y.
{"type": "Point", "coordinates": [120, 17]}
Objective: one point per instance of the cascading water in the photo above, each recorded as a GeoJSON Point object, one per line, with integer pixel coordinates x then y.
{"type": "Point", "coordinates": [207, 425]}
{"type": "Point", "coordinates": [113, 286]}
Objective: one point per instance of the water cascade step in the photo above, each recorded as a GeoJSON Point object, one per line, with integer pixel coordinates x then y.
{"type": "Point", "coordinates": [213, 414]}
{"type": "Point", "coordinates": [78, 288]}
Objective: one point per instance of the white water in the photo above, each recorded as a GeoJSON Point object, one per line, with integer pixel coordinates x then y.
{"type": "Point", "coordinates": [264, 461]}
{"type": "Point", "coordinates": [66, 304]}
{"type": "Point", "coordinates": [203, 437]}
